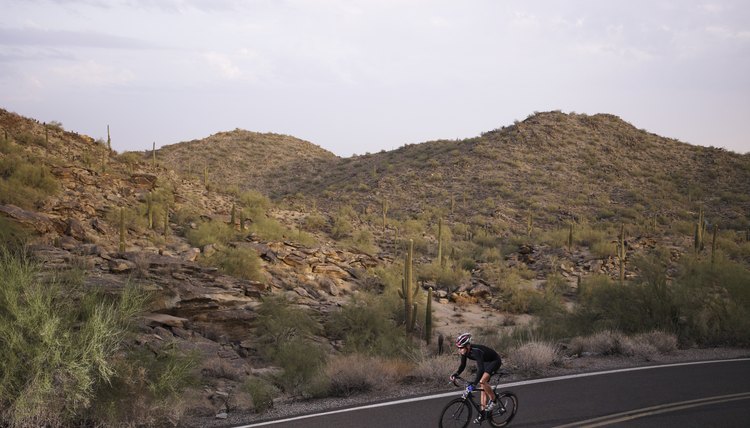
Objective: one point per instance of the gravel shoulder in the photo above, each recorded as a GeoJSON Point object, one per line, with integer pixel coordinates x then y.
{"type": "Point", "coordinates": [588, 364]}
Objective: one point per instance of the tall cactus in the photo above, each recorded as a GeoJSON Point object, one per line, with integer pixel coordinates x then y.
{"type": "Point", "coordinates": [150, 210]}
{"type": "Point", "coordinates": [713, 244]}
{"type": "Point", "coordinates": [153, 155]}
{"type": "Point", "coordinates": [122, 230]}
{"type": "Point", "coordinates": [700, 231]}
{"type": "Point", "coordinates": [408, 290]}
{"type": "Point", "coordinates": [385, 213]}
{"type": "Point", "coordinates": [529, 224]}
{"type": "Point", "coordinates": [428, 317]}
{"type": "Point", "coordinates": [570, 237]}
{"type": "Point", "coordinates": [205, 176]}
{"type": "Point", "coordinates": [440, 242]}
{"type": "Point", "coordinates": [621, 251]}
{"type": "Point", "coordinates": [109, 140]}
{"type": "Point", "coordinates": [166, 220]}
{"type": "Point", "coordinates": [233, 219]}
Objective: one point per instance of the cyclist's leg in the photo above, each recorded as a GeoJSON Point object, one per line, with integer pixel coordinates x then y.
{"type": "Point", "coordinates": [491, 368]}
{"type": "Point", "coordinates": [484, 382]}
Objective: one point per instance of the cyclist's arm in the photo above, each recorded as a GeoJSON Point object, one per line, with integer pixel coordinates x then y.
{"type": "Point", "coordinates": [462, 366]}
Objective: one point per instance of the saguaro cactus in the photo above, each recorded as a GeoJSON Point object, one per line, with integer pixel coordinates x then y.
{"type": "Point", "coordinates": [621, 251]}
{"type": "Point", "coordinates": [428, 317]}
{"type": "Point", "coordinates": [713, 244]}
{"type": "Point", "coordinates": [153, 154]}
{"type": "Point", "coordinates": [700, 231]}
{"type": "Point", "coordinates": [529, 224]}
{"type": "Point", "coordinates": [385, 213]}
{"type": "Point", "coordinates": [109, 140]}
{"type": "Point", "coordinates": [122, 230]}
{"type": "Point", "coordinates": [233, 218]}
{"type": "Point", "coordinates": [440, 242]}
{"type": "Point", "coordinates": [408, 290]}
{"type": "Point", "coordinates": [150, 210]}
{"type": "Point", "coordinates": [570, 237]}
{"type": "Point", "coordinates": [166, 220]}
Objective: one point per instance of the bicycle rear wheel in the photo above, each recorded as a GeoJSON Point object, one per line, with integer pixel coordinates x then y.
{"type": "Point", "coordinates": [456, 414]}
{"type": "Point", "coordinates": [504, 410]}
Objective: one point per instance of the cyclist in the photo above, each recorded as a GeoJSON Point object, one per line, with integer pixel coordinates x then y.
{"type": "Point", "coordinates": [488, 361]}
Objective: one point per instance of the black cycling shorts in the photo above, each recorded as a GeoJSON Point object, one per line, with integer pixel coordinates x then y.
{"type": "Point", "coordinates": [491, 367]}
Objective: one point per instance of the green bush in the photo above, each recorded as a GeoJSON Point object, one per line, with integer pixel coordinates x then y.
{"type": "Point", "coordinates": [213, 232]}
{"type": "Point", "coordinates": [55, 349]}
{"type": "Point", "coordinates": [261, 392]}
{"type": "Point", "coordinates": [147, 388]}
{"type": "Point", "coordinates": [255, 204]}
{"type": "Point", "coordinates": [239, 262]}
{"type": "Point", "coordinates": [279, 321]}
{"type": "Point", "coordinates": [24, 182]}
{"type": "Point", "coordinates": [369, 325]}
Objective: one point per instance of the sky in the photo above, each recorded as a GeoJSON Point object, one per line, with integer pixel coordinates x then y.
{"type": "Point", "coordinates": [361, 76]}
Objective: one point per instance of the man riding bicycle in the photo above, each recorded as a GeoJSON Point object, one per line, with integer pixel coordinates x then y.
{"type": "Point", "coordinates": [488, 361]}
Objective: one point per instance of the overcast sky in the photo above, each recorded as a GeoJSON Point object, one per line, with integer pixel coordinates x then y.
{"type": "Point", "coordinates": [357, 76]}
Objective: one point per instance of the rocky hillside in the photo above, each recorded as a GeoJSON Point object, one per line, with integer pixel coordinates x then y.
{"type": "Point", "coordinates": [76, 196]}
{"type": "Point", "coordinates": [558, 167]}
{"type": "Point", "coordinates": [248, 160]}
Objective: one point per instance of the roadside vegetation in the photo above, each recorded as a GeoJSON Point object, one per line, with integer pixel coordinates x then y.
{"type": "Point", "coordinates": [67, 356]}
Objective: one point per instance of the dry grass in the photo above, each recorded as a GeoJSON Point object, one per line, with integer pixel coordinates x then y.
{"type": "Point", "coordinates": [435, 369]}
{"type": "Point", "coordinates": [645, 345]}
{"type": "Point", "coordinates": [534, 357]}
{"type": "Point", "coordinates": [356, 373]}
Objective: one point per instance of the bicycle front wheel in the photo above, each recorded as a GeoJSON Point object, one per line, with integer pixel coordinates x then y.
{"type": "Point", "coordinates": [456, 414]}
{"type": "Point", "coordinates": [505, 410]}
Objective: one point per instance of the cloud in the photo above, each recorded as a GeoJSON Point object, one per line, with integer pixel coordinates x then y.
{"type": "Point", "coordinates": [91, 73]}
{"type": "Point", "coordinates": [48, 38]}
{"type": "Point", "coordinates": [223, 64]}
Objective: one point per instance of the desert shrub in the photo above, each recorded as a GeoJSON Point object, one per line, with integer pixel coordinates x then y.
{"type": "Point", "coordinates": [280, 320]}
{"type": "Point", "coordinates": [212, 232]}
{"type": "Point", "coordinates": [285, 333]}
{"type": "Point", "coordinates": [269, 229]}
{"type": "Point", "coordinates": [346, 376]}
{"type": "Point", "coordinates": [532, 358]}
{"type": "Point", "coordinates": [255, 204]}
{"type": "Point", "coordinates": [662, 341]}
{"type": "Point", "coordinates": [185, 214]}
{"type": "Point", "coordinates": [55, 349]}
{"type": "Point", "coordinates": [315, 222]}
{"type": "Point", "coordinates": [262, 393]}
{"type": "Point", "coordinates": [301, 359]}
{"type": "Point", "coordinates": [133, 218]}
{"type": "Point", "coordinates": [606, 342]}
{"type": "Point", "coordinates": [239, 262]}
{"type": "Point", "coordinates": [447, 276]}
{"type": "Point", "coordinates": [24, 182]}
{"type": "Point", "coordinates": [370, 325]}
{"type": "Point", "coordinates": [342, 227]}
{"type": "Point", "coordinates": [435, 369]}
{"type": "Point", "coordinates": [713, 300]}
{"type": "Point", "coordinates": [12, 235]}
{"type": "Point", "coordinates": [363, 240]}
{"type": "Point", "coordinates": [147, 389]}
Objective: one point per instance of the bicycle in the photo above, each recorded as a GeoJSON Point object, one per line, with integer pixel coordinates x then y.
{"type": "Point", "coordinates": [457, 413]}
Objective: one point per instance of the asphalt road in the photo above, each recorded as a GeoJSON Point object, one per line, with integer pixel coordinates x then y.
{"type": "Point", "coordinates": [682, 395]}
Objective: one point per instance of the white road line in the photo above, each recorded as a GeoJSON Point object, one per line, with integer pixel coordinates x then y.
{"type": "Point", "coordinates": [655, 410]}
{"type": "Point", "coordinates": [504, 386]}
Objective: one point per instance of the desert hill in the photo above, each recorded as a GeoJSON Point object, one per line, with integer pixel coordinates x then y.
{"type": "Point", "coordinates": [505, 226]}
{"type": "Point", "coordinates": [557, 167]}
{"type": "Point", "coordinates": [248, 160]}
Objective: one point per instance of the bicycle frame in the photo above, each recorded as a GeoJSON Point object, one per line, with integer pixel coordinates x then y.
{"type": "Point", "coordinates": [457, 413]}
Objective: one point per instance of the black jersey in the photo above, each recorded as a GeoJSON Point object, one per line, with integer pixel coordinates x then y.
{"type": "Point", "coordinates": [487, 360]}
